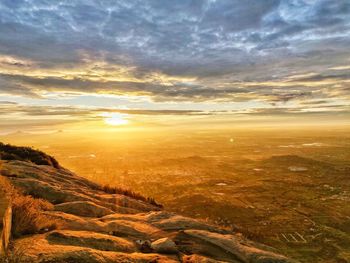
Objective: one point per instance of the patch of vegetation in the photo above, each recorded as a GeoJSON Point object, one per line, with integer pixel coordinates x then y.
{"type": "Point", "coordinates": [4, 188]}
{"type": "Point", "coordinates": [14, 256]}
{"type": "Point", "coordinates": [27, 154]}
{"type": "Point", "coordinates": [28, 216]}
{"type": "Point", "coordinates": [117, 190]}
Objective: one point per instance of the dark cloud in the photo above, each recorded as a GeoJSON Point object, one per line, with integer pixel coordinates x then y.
{"type": "Point", "coordinates": [235, 15]}
{"type": "Point", "coordinates": [159, 30]}
{"type": "Point", "coordinates": [174, 91]}
{"type": "Point", "coordinates": [321, 77]}
{"type": "Point", "coordinates": [70, 111]}
{"type": "Point", "coordinates": [315, 102]}
{"type": "Point", "coordinates": [284, 111]}
{"type": "Point", "coordinates": [159, 91]}
{"type": "Point", "coordinates": [78, 114]}
{"type": "Point", "coordinates": [7, 103]}
{"type": "Point", "coordinates": [222, 44]}
{"type": "Point", "coordinates": [10, 86]}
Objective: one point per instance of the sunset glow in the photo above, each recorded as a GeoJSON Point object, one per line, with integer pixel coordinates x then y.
{"type": "Point", "coordinates": [175, 131]}
{"type": "Point", "coordinates": [203, 62]}
{"type": "Point", "coordinates": [115, 119]}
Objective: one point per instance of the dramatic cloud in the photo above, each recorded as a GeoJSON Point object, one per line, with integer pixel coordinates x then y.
{"type": "Point", "coordinates": [271, 51]}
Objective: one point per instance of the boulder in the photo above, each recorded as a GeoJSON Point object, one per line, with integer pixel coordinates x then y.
{"type": "Point", "coordinates": [90, 240]}
{"type": "Point", "coordinates": [38, 249]}
{"type": "Point", "coordinates": [164, 245]}
{"type": "Point", "coordinates": [199, 259]}
{"type": "Point", "coordinates": [237, 247]}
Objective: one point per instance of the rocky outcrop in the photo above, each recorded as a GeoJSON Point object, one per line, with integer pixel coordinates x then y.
{"type": "Point", "coordinates": [237, 246]}
{"type": "Point", "coordinates": [83, 208]}
{"type": "Point", "coordinates": [95, 226]}
{"type": "Point", "coordinates": [164, 245]}
{"type": "Point", "coordinates": [90, 239]}
{"type": "Point", "coordinates": [10, 152]}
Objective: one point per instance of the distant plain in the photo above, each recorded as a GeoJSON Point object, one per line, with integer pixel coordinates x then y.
{"type": "Point", "coordinates": [288, 188]}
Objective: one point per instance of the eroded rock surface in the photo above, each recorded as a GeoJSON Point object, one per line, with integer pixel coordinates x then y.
{"type": "Point", "coordinates": [95, 226]}
{"type": "Point", "coordinates": [164, 245]}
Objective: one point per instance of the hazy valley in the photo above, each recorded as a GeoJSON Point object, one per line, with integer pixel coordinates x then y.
{"type": "Point", "coordinates": [287, 189]}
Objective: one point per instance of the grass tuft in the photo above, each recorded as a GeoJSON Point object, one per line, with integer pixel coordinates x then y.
{"type": "Point", "coordinates": [27, 211]}
{"type": "Point", "coordinates": [28, 216]}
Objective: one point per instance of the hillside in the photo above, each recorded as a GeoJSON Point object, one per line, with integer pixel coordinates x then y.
{"type": "Point", "coordinates": [9, 152]}
{"type": "Point", "coordinates": [84, 222]}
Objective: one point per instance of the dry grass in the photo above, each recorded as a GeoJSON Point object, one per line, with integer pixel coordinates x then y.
{"type": "Point", "coordinates": [27, 212]}
{"type": "Point", "coordinates": [13, 258]}
{"type": "Point", "coordinates": [5, 188]}
{"type": "Point", "coordinates": [254, 233]}
{"type": "Point", "coordinates": [117, 190]}
{"type": "Point", "coordinates": [28, 216]}
{"type": "Point", "coordinates": [16, 255]}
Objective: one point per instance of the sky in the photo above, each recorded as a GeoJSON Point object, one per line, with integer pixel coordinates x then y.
{"type": "Point", "coordinates": [163, 61]}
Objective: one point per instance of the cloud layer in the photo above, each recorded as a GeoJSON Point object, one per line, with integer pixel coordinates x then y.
{"type": "Point", "coordinates": [271, 51]}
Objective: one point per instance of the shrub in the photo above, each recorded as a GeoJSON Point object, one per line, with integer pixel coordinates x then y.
{"type": "Point", "coordinates": [28, 216]}
{"type": "Point", "coordinates": [117, 190]}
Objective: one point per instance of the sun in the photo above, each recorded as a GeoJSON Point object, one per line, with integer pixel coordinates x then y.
{"type": "Point", "coordinates": [115, 119]}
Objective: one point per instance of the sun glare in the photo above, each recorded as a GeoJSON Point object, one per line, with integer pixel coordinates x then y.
{"type": "Point", "coordinates": [115, 119]}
